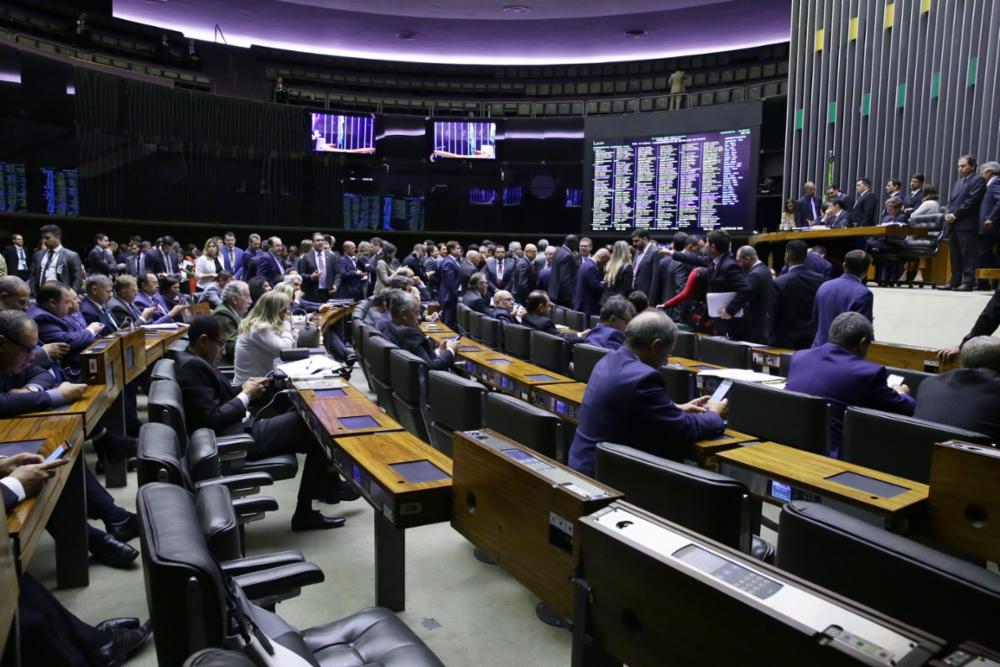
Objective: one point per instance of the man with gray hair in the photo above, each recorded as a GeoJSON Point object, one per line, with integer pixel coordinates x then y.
{"type": "Point", "coordinates": [837, 371]}
{"type": "Point", "coordinates": [475, 293]}
{"type": "Point", "coordinates": [94, 307]}
{"type": "Point", "coordinates": [989, 219]}
{"type": "Point", "coordinates": [966, 397]}
{"type": "Point", "coordinates": [626, 400]}
{"type": "Point", "coordinates": [404, 330]}
{"type": "Point", "coordinates": [514, 248]}
{"type": "Point", "coordinates": [232, 310]}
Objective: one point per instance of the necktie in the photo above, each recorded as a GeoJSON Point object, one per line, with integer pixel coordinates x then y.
{"type": "Point", "coordinates": [21, 262]}
{"type": "Point", "coordinates": [500, 270]}
{"type": "Point", "coordinates": [321, 267]}
{"type": "Point", "coordinates": [166, 262]}
{"type": "Point", "coordinates": [48, 263]}
{"type": "Point", "coordinates": [812, 205]}
{"type": "Point", "coordinates": [229, 260]}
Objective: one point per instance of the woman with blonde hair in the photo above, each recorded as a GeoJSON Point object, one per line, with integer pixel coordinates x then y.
{"type": "Point", "coordinates": [208, 265]}
{"type": "Point", "coordinates": [262, 335]}
{"type": "Point", "coordinates": [618, 272]}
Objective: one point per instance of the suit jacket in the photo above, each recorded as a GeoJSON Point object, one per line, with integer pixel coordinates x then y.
{"type": "Point", "coordinates": [842, 219]}
{"type": "Point", "coordinates": [135, 264]}
{"type": "Point", "coordinates": [348, 283]}
{"type": "Point", "coordinates": [93, 313]}
{"type": "Point", "coordinates": [913, 199]}
{"type": "Point", "coordinates": [155, 262]}
{"type": "Point", "coordinates": [10, 499]}
{"type": "Point", "coordinates": [10, 256]}
{"type": "Point", "coordinates": [310, 286]}
{"type": "Point", "coordinates": [988, 320]}
{"type": "Point", "coordinates": [212, 295]}
{"type": "Point", "coordinates": [415, 342]}
{"type": "Point", "coordinates": [20, 403]}
{"type": "Point", "coordinates": [816, 264]}
{"type": "Point", "coordinates": [844, 379]}
{"type": "Point", "coordinates": [231, 321]}
{"type": "Point", "coordinates": [124, 314]}
{"type": "Point", "coordinates": [465, 271]}
{"type": "Point", "coordinates": [761, 298]}
{"type": "Point", "coordinates": [476, 302]}
{"type": "Point", "coordinates": [587, 296]}
{"type": "Point", "coordinates": [248, 265]}
{"type": "Point", "coordinates": [503, 315]}
{"type": "Point", "coordinates": [844, 294]}
{"type": "Point", "coordinates": [523, 279]}
{"type": "Point", "coordinates": [664, 283]}
{"type": "Point", "coordinates": [562, 279]}
{"type": "Point", "coordinates": [989, 209]}
{"type": "Point", "coordinates": [448, 291]}
{"type": "Point", "coordinates": [492, 268]}
{"type": "Point", "coordinates": [232, 264]}
{"type": "Point", "coordinates": [539, 323]}
{"type": "Point", "coordinates": [725, 275]}
{"type": "Point", "coordinates": [626, 402]}
{"type": "Point", "coordinates": [965, 398]}
{"type": "Point", "coordinates": [642, 268]}
{"type": "Point", "coordinates": [865, 209]}
{"type": "Point", "coordinates": [142, 302]}
{"type": "Point", "coordinates": [604, 336]}
{"type": "Point", "coordinates": [102, 261]}
{"type": "Point", "coordinates": [270, 268]}
{"type": "Point", "coordinates": [69, 270]}
{"type": "Point", "coordinates": [209, 401]}
{"type": "Point", "coordinates": [69, 330]}
{"type": "Point", "coordinates": [964, 202]}
{"type": "Point", "coordinates": [791, 320]}
{"type": "Point", "coordinates": [804, 215]}
{"type": "Point", "coordinates": [415, 264]}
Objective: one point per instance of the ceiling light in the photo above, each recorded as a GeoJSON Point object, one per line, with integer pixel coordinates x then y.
{"type": "Point", "coordinates": [406, 34]}
{"type": "Point", "coordinates": [635, 34]}
{"type": "Point", "coordinates": [517, 9]}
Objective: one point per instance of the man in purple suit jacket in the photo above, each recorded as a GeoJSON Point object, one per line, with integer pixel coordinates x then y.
{"type": "Point", "coordinates": [587, 298]}
{"type": "Point", "coordinates": [52, 315]}
{"type": "Point", "coordinates": [231, 256]}
{"type": "Point", "coordinates": [616, 313]}
{"type": "Point", "coordinates": [626, 400]}
{"type": "Point", "coordinates": [845, 294]}
{"type": "Point", "coordinates": [837, 371]}
{"type": "Point", "coordinates": [269, 263]}
{"type": "Point", "coordinates": [450, 281]}
{"type": "Point", "coordinates": [562, 278]}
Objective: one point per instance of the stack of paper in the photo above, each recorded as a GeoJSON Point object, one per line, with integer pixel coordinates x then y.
{"type": "Point", "coordinates": [316, 366]}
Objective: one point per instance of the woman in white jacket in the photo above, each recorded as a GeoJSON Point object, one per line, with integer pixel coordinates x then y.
{"type": "Point", "coordinates": [208, 265]}
{"type": "Point", "coordinates": [263, 334]}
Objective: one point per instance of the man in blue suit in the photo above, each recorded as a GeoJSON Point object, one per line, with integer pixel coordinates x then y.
{"type": "Point", "coordinates": [450, 282]}
{"type": "Point", "coordinates": [163, 260]}
{"type": "Point", "coordinates": [791, 321]}
{"type": "Point", "coordinates": [962, 224]}
{"type": "Point", "coordinates": [149, 297]}
{"type": "Point", "coordinates": [251, 256]}
{"type": "Point", "coordinates": [562, 279]}
{"type": "Point", "coordinates": [587, 298]}
{"type": "Point", "coordinates": [269, 265]}
{"type": "Point", "coordinates": [616, 313]}
{"type": "Point", "coordinates": [725, 275]}
{"type": "Point", "coordinates": [51, 313]}
{"type": "Point", "coordinates": [865, 206]}
{"type": "Point", "coordinates": [845, 294]}
{"type": "Point", "coordinates": [808, 210]}
{"type": "Point", "coordinates": [626, 400]}
{"type": "Point", "coordinates": [837, 371]}
{"type": "Point", "coordinates": [349, 283]}
{"type": "Point", "coordinates": [231, 256]}
{"type": "Point", "coordinates": [94, 306]}
{"type": "Point", "coordinates": [989, 218]}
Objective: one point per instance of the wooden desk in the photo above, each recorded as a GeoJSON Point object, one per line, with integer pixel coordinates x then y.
{"type": "Point", "coordinates": [159, 340]}
{"type": "Point", "coordinates": [507, 374]}
{"type": "Point", "coordinates": [95, 402]}
{"type": "Point", "coordinates": [9, 590]}
{"type": "Point", "coordinates": [201, 308]}
{"type": "Point", "coordinates": [768, 358]}
{"type": "Point", "coordinates": [703, 384]}
{"type": "Point", "coordinates": [371, 463]}
{"type": "Point", "coordinates": [703, 452]}
{"type": "Point", "coordinates": [843, 232]}
{"type": "Point", "coordinates": [437, 328]}
{"type": "Point", "coordinates": [62, 504]}
{"type": "Point", "coordinates": [133, 353]}
{"type": "Point", "coordinates": [154, 347]}
{"type": "Point", "coordinates": [908, 356]}
{"type": "Point", "coordinates": [464, 344]}
{"type": "Point", "coordinates": [324, 415]}
{"type": "Point", "coordinates": [808, 475]}
{"type": "Point", "coordinates": [563, 399]}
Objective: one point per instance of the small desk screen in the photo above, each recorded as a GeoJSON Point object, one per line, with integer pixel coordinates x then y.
{"type": "Point", "coordinates": [360, 421]}
{"type": "Point", "coordinates": [330, 393]}
{"type": "Point", "coordinates": [782, 492]}
{"type": "Point", "coordinates": [468, 348]}
{"type": "Point", "coordinates": [415, 472]}
{"type": "Point", "coordinates": [876, 487]}
{"type": "Point", "coordinates": [20, 447]}
{"type": "Point", "coordinates": [500, 362]}
{"type": "Point", "coordinates": [541, 377]}
{"type": "Point", "coordinates": [519, 455]}
{"type": "Point", "coordinates": [129, 357]}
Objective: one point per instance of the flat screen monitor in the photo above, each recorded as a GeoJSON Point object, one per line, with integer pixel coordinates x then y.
{"type": "Point", "coordinates": [362, 211]}
{"type": "Point", "coordinates": [513, 196]}
{"type": "Point", "coordinates": [342, 133]}
{"type": "Point", "coordinates": [482, 196]}
{"type": "Point", "coordinates": [13, 188]}
{"type": "Point", "coordinates": [466, 139]}
{"type": "Point", "coordinates": [60, 191]}
{"type": "Point", "coordinates": [403, 213]}
{"type": "Point", "coordinates": [574, 197]}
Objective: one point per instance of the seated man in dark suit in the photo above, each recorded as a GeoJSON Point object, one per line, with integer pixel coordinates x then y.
{"type": "Point", "coordinates": [626, 400]}
{"type": "Point", "coordinates": [887, 270]}
{"type": "Point", "coordinates": [51, 313]}
{"type": "Point", "coordinates": [616, 313]}
{"type": "Point", "coordinates": [846, 293]}
{"type": "Point", "coordinates": [837, 215]}
{"type": "Point", "coordinates": [504, 308]}
{"type": "Point", "coordinates": [966, 397]}
{"type": "Point", "coordinates": [536, 316]}
{"type": "Point", "coordinates": [837, 371]}
{"type": "Point", "coordinates": [475, 294]}
{"type": "Point", "coordinates": [404, 330]}
{"type": "Point", "coordinates": [987, 322]}
{"type": "Point", "coordinates": [94, 306]}
{"type": "Point", "coordinates": [210, 402]}
{"type": "Point", "coordinates": [791, 319]}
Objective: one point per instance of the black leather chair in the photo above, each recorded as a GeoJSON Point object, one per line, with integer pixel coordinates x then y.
{"type": "Point", "coordinates": [179, 345]}
{"type": "Point", "coordinates": [522, 422]}
{"type": "Point", "coordinates": [911, 378]}
{"type": "Point", "coordinates": [463, 319]}
{"type": "Point", "coordinates": [517, 341]}
{"type": "Point", "coordinates": [680, 383]}
{"type": "Point", "coordinates": [722, 352]}
{"type": "Point", "coordinates": [362, 332]}
{"type": "Point", "coordinates": [550, 352]}
{"type": "Point", "coordinates": [558, 314]}
{"type": "Point", "coordinates": [576, 320]}
{"type": "Point", "coordinates": [453, 404]}
{"type": "Point", "coordinates": [914, 247]}
{"type": "Point", "coordinates": [490, 333]}
{"type": "Point", "coordinates": [896, 444]}
{"type": "Point", "coordinates": [912, 582]}
{"type": "Point", "coordinates": [475, 325]}
{"type": "Point", "coordinates": [163, 369]}
{"type": "Point", "coordinates": [377, 351]}
{"type": "Point", "coordinates": [686, 346]}
{"type": "Point", "coordinates": [217, 657]}
{"type": "Point", "coordinates": [787, 417]}
{"type": "Point", "coordinates": [195, 605]}
{"type": "Point", "coordinates": [585, 357]}
{"type": "Point", "coordinates": [594, 321]}
{"type": "Point", "coordinates": [405, 370]}
{"type": "Point", "coordinates": [716, 506]}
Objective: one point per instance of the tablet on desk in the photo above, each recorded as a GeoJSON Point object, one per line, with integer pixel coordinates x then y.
{"type": "Point", "coordinates": [416, 472]}
{"type": "Point", "coordinates": [499, 362]}
{"type": "Point", "coordinates": [541, 377]}
{"type": "Point", "coordinates": [330, 393]}
{"type": "Point", "coordinates": [358, 422]}
{"type": "Point", "coordinates": [876, 487]}
{"type": "Point", "coordinates": [20, 447]}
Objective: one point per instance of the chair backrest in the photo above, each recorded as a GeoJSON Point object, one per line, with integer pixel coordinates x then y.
{"type": "Point", "coordinates": [585, 357]}
{"type": "Point", "coordinates": [896, 444]}
{"type": "Point", "coordinates": [523, 423]}
{"type": "Point", "coordinates": [166, 406]}
{"type": "Point", "coordinates": [890, 573]}
{"type": "Point", "coordinates": [558, 314]}
{"type": "Point", "coordinates": [213, 505]}
{"type": "Point", "coordinates": [550, 352]}
{"type": "Point", "coordinates": [463, 319]}
{"type": "Point", "coordinates": [785, 363]}
{"type": "Point", "coordinates": [176, 348]}
{"type": "Point", "coordinates": [377, 350]}
{"type": "Point", "coordinates": [159, 458]}
{"type": "Point", "coordinates": [163, 370]}
{"type": "Point", "coordinates": [405, 371]}
{"type": "Point", "coordinates": [722, 352]}
{"type": "Point", "coordinates": [788, 417]}
{"type": "Point", "coordinates": [680, 383]}
{"type": "Point", "coordinates": [931, 222]}
{"type": "Point", "coordinates": [576, 320]}
{"type": "Point", "coordinates": [686, 345]}
{"type": "Point", "coordinates": [594, 320]}
{"type": "Point", "coordinates": [490, 332]}
{"type": "Point", "coordinates": [453, 404]}
{"type": "Point", "coordinates": [475, 329]}
{"type": "Point", "coordinates": [911, 378]}
{"type": "Point", "coordinates": [517, 341]}
{"type": "Point", "coordinates": [184, 588]}
{"type": "Point", "coordinates": [713, 505]}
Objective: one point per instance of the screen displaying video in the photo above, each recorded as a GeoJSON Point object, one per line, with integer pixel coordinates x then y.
{"type": "Point", "coordinates": [471, 140]}
{"type": "Point", "coordinates": [339, 133]}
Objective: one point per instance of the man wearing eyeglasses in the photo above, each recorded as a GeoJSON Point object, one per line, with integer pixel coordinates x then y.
{"type": "Point", "coordinates": [16, 295]}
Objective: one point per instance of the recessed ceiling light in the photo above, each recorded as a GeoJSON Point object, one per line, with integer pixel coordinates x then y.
{"type": "Point", "coordinates": [635, 34]}
{"type": "Point", "coordinates": [517, 9]}
{"type": "Point", "coordinates": [406, 34]}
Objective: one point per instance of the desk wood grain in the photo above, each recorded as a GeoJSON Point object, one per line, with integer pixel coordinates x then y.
{"type": "Point", "coordinates": [693, 365]}
{"type": "Point", "coordinates": [437, 328]}
{"type": "Point", "coordinates": [513, 367]}
{"type": "Point", "coordinates": [843, 232]}
{"type": "Point", "coordinates": [328, 411]}
{"type": "Point", "coordinates": [569, 392]}
{"type": "Point", "coordinates": [91, 407]}
{"type": "Point", "coordinates": [908, 356]}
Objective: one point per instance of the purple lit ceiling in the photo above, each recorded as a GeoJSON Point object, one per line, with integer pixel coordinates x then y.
{"type": "Point", "coordinates": [477, 31]}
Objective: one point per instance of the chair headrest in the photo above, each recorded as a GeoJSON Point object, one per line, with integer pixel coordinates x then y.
{"type": "Point", "coordinates": [214, 507]}
{"type": "Point", "coordinates": [203, 455]}
{"type": "Point", "coordinates": [158, 451]}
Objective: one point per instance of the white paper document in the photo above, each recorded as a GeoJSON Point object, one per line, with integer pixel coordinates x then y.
{"type": "Point", "coordinates": [316, 366]}
{"type": "Point", "coordinates": [717, 302]}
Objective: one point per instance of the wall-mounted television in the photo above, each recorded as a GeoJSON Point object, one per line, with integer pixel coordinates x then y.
{"type": "Point", "coordinates": [482, 196]}
{"type": "Point", "coordinates": [465, 139]}
{"type": "Point", "coordinates": [342, 133]}
{"type": "Point", "coordinates": [60, 191]}
{"type": "Point", "coordinates": [13, 188]}
{"type": "Point", "coordinates": [513, 196]}
{"type": "Point", "coordinates": [574, 197]}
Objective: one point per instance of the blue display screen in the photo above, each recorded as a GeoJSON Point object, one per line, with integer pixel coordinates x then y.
{"type": "Point", "coordinates": [780, 491]}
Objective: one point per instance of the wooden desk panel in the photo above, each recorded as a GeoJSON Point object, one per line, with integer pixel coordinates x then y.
{"type": "Point", "coordinates": [693, 365]}
{"type": "Point", "coordinates": [95, 402]}
{"type": "Point", "coordinates": [101, 363]}
{"type": "Point", "coordinates": [322, 414]}
{"type": "Point", "coordinates": [516, 368]}
{"type": "Point", "coordinates": [908, 356]}
{"type": "Point", "coordinates": [703, 452]}
{"type": "Point", "coordinates": [334, 315]}
{"type": "Point", "coordinates": [563, 399]}
{"type": "Point", "coordinates": [201, 308]}
{"type": "Point", "coordinates": [843, 232]}
{"type": "Point", "coordinates": [133, 354]}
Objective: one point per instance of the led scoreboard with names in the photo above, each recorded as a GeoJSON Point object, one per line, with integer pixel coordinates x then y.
{"type": "Point", "coordinates": [683, 181]}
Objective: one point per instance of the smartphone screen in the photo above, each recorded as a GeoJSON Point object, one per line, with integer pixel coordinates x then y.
{"type": "Point", "coordinates": [894, 380]}
{"type": "Point", "coordinates": [56, 454]}
{"type": "Point", "coordinates": [721, 391]}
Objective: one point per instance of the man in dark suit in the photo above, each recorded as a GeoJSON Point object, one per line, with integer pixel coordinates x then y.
{"type": "Point", "coordinates": [524, 274]}
{"type": "Point", "coordinates": [124, 308]}
{"type": "Point", "coordinates": [100, 260]}
{"type": "Point", "coordinates": [318, 269]}
{"type": "Point", "coordinates": [644, 260]}
{"type": "Point", "coordinates": [837, 371]}
{"type": "Point", "coordinates": [626, 400]}
{"type": "Point", "coordinates": [836, 215]}
{"type": "Point", "coordinates": [210, 402]}
{"type": "Point", "coordinates": [664, 284]}
{"type": "Point", "coordinates": [537, 316]}
{"type": "Point", "coordinates": [474, 296]}
{"type": "Point", "coordinates": [915, 196]}
{"type": "Point", "coordinates": [450, 284]}
{"type": "Point", "coordinates": [846, 293]}
{"type": "Point", "coordinates": [989, 218]}
{"type": "Point", "coordinates": [404, 330]}
{"type": "Point", "coordinates": [504, 309]}
{"type": "Point", "coordinates": [248, 265]}
{"type": "Point", "coordinates": [761, 291]}
{"type": "Point", "coordinates": [962, 224]}
{"type": "Point", "coordinates": [467, 267]}
{"type": "Point", "coordinates": [894, 190]}
{"type": "Point", "coordinates": [269, 264]}
{"type": "Point", "coordinates": [807, 209]}
{"type": "Point", "coordinates": [609, 333]}
{"type": "Point", "coordinates": [725, 275]}
{"type": "Point", "coordinates": [93, 307]}
{"type": "Point", "coordinates": [135, 262]}
{"type": "Point", "coordinates": [415, 262]}
{"type": "Point", "coordinates": [51, 313]}
{"type": "Point", "coordinates": [589, 287]}
{"type": "Point", "coordinates": [348, 283]}
{"type": "Point", "coordinates": [865, 205]}
{"type": "Point", "coordinates": [966, 397]}
{"type": "Point", "coordinates": [817, 262]}
{"type": "Point", "coordinates": [231, 256]}
{"type": "Point", "coordinates": [562, 279]}
{"type": "Point", "coordinates": [791, 321]}
{"type": "Point", "coordinates": [500, 268]}
{"type": "Point", "coordinates": [55, 262]}
{"type": "Point", "coordinates": [163, 260]}
{"type": "Point", "coordinates": [987, 323]}
{"type": "Point", "coordinates": [16, 256]}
